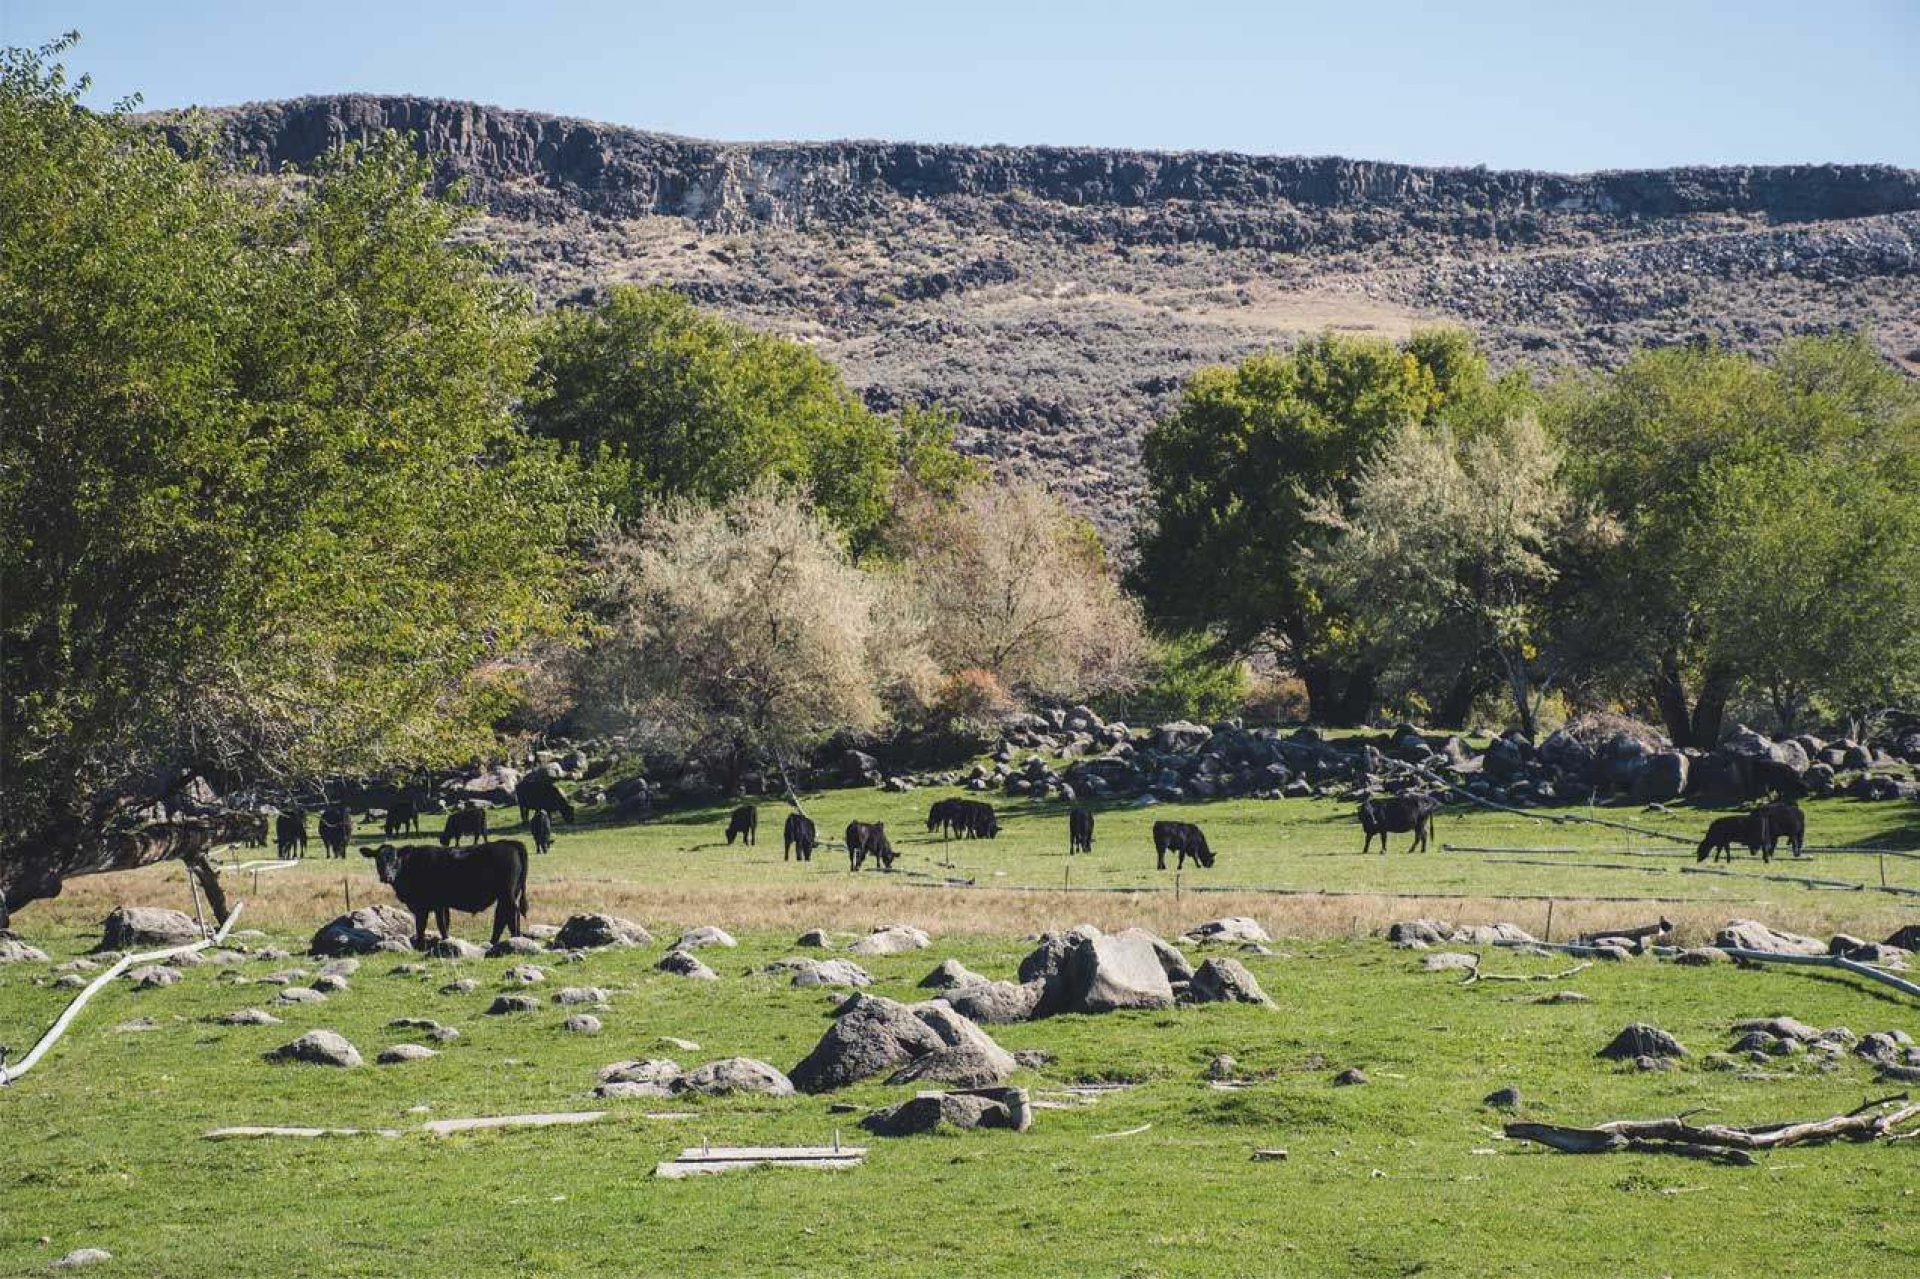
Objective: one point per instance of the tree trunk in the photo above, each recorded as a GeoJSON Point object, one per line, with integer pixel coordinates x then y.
{"type": "Point", "coordinates": [1356, 704]}
{"type": "Point", "coordinates": [35, 869]}
{"type": "Point", "coordinates": [1710, 711]}
{"type": "Point", "coordinates": [1697, 724]}
{"type": "Point", "coordinates": [1670, 694]}
{"type": "Point", "coordinates": [1456, 708]}
{"type": "Point", "coordinates": [1322, 705]}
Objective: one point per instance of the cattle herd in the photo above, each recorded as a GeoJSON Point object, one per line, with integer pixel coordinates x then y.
{"type": "Point", "coordinates": [467, 871]}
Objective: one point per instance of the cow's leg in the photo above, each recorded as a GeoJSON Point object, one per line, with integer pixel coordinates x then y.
{"type": "Point", "coordinates": [420, 914]}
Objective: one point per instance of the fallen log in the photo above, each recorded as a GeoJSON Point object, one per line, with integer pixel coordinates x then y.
{"type": "Point", "coordinates": [1594, 935]}
{"type": "Point", "coordinates": [1475, 975]}
{"type": "Point", "coordinates": [1720, 1142]}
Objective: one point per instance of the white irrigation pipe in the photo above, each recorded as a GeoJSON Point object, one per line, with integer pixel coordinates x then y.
{"type": "Point", "coordinates": [10, 1073]}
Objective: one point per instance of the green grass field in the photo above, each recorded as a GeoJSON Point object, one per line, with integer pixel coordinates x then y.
{"type": "Point", "coordinates": [1405, 1175]}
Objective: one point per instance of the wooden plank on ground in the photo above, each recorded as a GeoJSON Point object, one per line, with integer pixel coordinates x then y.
{"type": "Point", "coordinates": [248, 1131]}
{"type": "Point", "coordinates": [447, 1127]}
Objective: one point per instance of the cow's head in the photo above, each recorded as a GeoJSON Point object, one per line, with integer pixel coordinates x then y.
{"type": "Point", "coordinates": [386, 860]}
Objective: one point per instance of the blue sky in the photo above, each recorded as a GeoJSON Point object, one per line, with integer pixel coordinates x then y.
{"type": "Point", "coordinates": [1536, 85]}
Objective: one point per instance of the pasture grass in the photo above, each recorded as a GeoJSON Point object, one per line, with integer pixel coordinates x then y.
{"type": "Point", "coordinates": [1405, 1175]}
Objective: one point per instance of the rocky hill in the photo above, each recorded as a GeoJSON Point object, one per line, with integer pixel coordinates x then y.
{"type": "Point", "coordinates": [1057, 296]}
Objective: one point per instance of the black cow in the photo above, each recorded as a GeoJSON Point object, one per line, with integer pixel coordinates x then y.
{"type": "Point", "coordinates": [976, 819]}
{"type": "Point", "coordinates": [1183, 838]}
{"type": "Point", "coordinates": [800, 839]}
{"type": "Point", "coordinates": [539, 793]}
{"type": "Point", "coordinates": [290, 835]}
{"type": "Point", "coordinates": [941, 817]}
{"type": "Point", "coordinates": [743, 821]}
{"type": "Point", "coordinates": [1079, 831]}
{"type": "Point", "coordinates": [336, 828]}
{"type": "Point", "coordinates": [1751, 829]}
{"type": "Point", "coordinates": [541, 828]}
{"type": "Point", "coordinates": [1398, 814]}
{"type": "Point", "coordinates": [436, 881]}
{"type": "Point", "coordinates": [461, 823]}
{"type": "Point", "coordinates": [253, 829]}
{"type": "Point", "coordinates": [1784, 821]}
{"type": "Point", "coordinates": [868, 839]}
{"type": "Point", "coordinates": [403, 818]}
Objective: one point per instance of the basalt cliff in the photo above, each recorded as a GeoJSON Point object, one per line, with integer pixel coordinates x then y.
{"type": "Point", "coordinates": [1056, 296]}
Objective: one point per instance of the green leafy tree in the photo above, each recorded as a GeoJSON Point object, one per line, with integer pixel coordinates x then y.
{"type": "Point", "coordinates": [1766, 527]}
{"type": "Point", "coordinates": [1231, 474]}
{"type": "Point", "coordinates": [664, 401]}
{"type": "Point", "coordinates": [269, 511]}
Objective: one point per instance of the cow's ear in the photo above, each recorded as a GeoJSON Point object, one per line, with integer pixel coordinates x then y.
{"type": "Point", "coordinates": [365, 851]}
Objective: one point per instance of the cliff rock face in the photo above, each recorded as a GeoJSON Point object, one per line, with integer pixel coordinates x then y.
{"type": "Point", "coordinates": [1057, 297]}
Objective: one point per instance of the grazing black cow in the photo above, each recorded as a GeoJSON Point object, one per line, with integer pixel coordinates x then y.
{"type": "Point", "coordinates": [977, 820]}
{"type": "Point", "coordinates": [436, 881]}
{"type": "Point", "coordinates": [1183, 838]}
{"type": "Point", "coordinates": [1784, 821]}
{"type": "Point", "coordinates": [800, 839]}
{"type": "Point", "coordinates": [1398, 814]}
{"type": "Point", "coordinates": [539, 793]}
{"type": "Point", "coordinates": [402, 819]}
{"type": "Point", "coordinates": [868, 839]}
{"type": "Point", "coordinates": [541, 828]}
{"type": "Point", "coordinates": [1079, 831]}
{"type": "Point", "coordinates": [462, 822]}
{"type": "Point", "coordinates": [941, 817]}
{"type": "Point", "coordinates": [290, 835]}
{"type": "Point", "coordinates": [336, 828]}
{"type": "Point", "coordinates": [1751, 829]}
{"type": "Point", "coordinates": [743, 821]}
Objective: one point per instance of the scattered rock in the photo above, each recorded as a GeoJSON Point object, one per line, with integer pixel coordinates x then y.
{"type": "Point", "coordinates": [135, 1026]}
{"type": "Point", "coordinates": [817, 938]}
{"type": "Point", "coordinates": [571, 996]}
{"type": "Point", "coordinates": [1565, 997]}
{"type": "Point", "coordinates": [82, 1257]}
{"type": "Point", "coordinates": [142, 927]}
{"type": "Point", "coordinates": [832, 972]}
{"type": "Point", "coordinates": [248, 1016]}
{"type": "Point", "coordinates": [454, 948]}
{"type": "Point", "coordinates": [695, 938]}
{"type": "Point", "coordinates": [300, 995]}
{"type": "Point", "coordinates": [927, 1113]}
{"type": "Point", "coordinates": [330, 984]}
{"type": "Point", "coordinates": [1103, 974]}
{"type": "Point", "coordinates": [364, 931]}
{"type": "Point", "coordinates": [588, 932]}
{"type": "Point", "coordinates": [631, 1090]}
{"type": "Point", "coordinates": [1748, 934]}
{"type": "Point", "coordinates": [893, 939]}
{"type": "Point", "coordinates": [1780, 1028]}
{"type": "Point", "coordinates": [870, 1035]}
{"type": "Point", "coordinates": [152, 975]}
{"type": "Point", "coordinates": [1642, 1040]}
{"type": "Point", "coordinates": [1350, 1076]}
{"type": "Point", "coordinates": [508, 947]}
{"type": "Point", "coordinates": [400, 1053]}
{"type": "Point", "coordinates": [1507, 1098]}
{"type": "Point", "coordinates": [524, 975]}
{"type": "Point", "coordinates": [681, 964]}
{"type": "Point", "coordinates": [734, 1075]}
{"type": "Point", "coordinates": [582, 1024]}
{"type": "Point", "coordinates": [505, 1004]}
{"type": "Point", "coordinates": [285, 977]}
{"type": "Point", "coordinates": [996, 1003]}
{"type": "Point", "coordinates": [318, 1048]}
{"type": "Point", "coordinates": [1232, 929]}
{"type": "Point", "coordinates": [1222, 1067]}
{"type": "Point", "coordinates": [15, 951]}
{"type": "Point", "coordinates": [948, 974]}
{"type": "Point", "coordinates": [1702, 957]}
{"type": "Point", "coordinates": [1225, 980]}
{"type": "Point", "coordinates": [653, 1070]}
{"type": "Point", "coordinates": [1033, 1058]}
{"type": "Point", "coordinates": [1442, 960]}
{"type": "Point", "coordinates": [462, 986]}
{"type": "Point", "coordinates": [345, 967]}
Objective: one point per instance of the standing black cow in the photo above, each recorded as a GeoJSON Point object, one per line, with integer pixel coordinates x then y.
{"type": "Point", "coordinates": [403, 818]}
{"type": "Point", "coordinates": [942, 816]}
{"type": "Point", "coordinates": [743, 821]}
{"type": "Point", "coordinates": [1079, 831]}
{"type": "Point", "coordinates": [290, 835]}
{"type": "Point", "coordinates": [868, 839]}
{"type": "Point", "coordinates": [1398, 814]}
{"type": "Point", "coordinates": [977, 820]}
{"type": "Point", "coordinates": [1184, 839]}
{"type": "Point", "coordinates": [336, 828]}
{"type": "Point", "coordinates": [436, 881]}
{"type": "Point", "coordinates": [1784, 821]}
{"type": "Point", "coordinates": [539, 793]}
{"type": "Point", "coordinates": [1751, 829]}
{"type": "Point", "coordinates": [541, 828]}
{"type": "Point", "coordinates": [462, 823]}
{"type": "Point", "coordinates": [800, 839]}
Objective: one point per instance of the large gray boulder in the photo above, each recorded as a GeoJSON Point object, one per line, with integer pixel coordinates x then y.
{"type": "Point", "coordinates": [1641, 1040]}
{"type": "Point", "coordinates": [694, 938]}
{"type": "Point", "coordinates": [1225, 980]}
{"type": "Point", "coordinates": [831, 972]}
{"type": "Point", "coordinates": [142, 927]}
{"type": "Point", "coordinates": [734, 1075]}
{"type": "Point", "coordinates": [1751, 934]}
{"type": "Point", "coordinates": [1661, 778]}
{"type": "Point", "coordinates": [996, 1002]}
{"type": "Point", "coordinates": [1232, 930]}
{"type": "Point", "coordinates": [319, 1048]}
{"type": "Point", "coordinates": [1104, 974]}
{"type": "Point", "coordinates": [591, 931]}
{"type": "Point", "coordinates": [365, 931]}
{"type": "Point", "coordinates": [1049, 959]}
{"type": "Point", "coordinates": [927, 1113]}
{"type": "Point", "coordinates": [894, 939]}
{"type": "Point", "coordinates": [948, 974]}
{"type": "Point", "coordinates": [871, 1034]}
{"type": "Point", "coordinates": [1172, 962]}
{"type": "Point", "coordinates": [15, 951]}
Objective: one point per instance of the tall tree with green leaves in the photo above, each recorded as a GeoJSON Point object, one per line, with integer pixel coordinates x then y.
{"type": "Point", "coordinates": [663, 401]}
{"type": "Point", "coordinates": [1767, 527]}
{"type": "Point", "coordinates": [1232, 472]}
{"type": "Point", "coordinates": [270, 514]}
